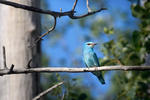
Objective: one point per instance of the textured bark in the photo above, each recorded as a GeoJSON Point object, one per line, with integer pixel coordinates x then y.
{"type": "Point", "coordinates": [18, 29]}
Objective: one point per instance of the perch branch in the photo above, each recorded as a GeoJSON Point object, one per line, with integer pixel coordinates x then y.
{"type": "Point", "coordinates": [73, 70]}
{"type": "Point", "coordinates": [47, 91]}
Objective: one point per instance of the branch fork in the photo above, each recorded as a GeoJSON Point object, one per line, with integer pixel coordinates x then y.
{"type": "Point", "coordinates": [52, 13]}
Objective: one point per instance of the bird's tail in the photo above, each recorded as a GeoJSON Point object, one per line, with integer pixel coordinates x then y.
{"type": "Point", "coordinates": [99, 76]}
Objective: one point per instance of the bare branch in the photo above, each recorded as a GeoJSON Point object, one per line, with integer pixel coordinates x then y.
{"type": "Point", "coordinates": [4, 58]}
{"type": "Point", "coordinates": [29, 64]}
{"type": "Point", "coordinates": [88, 14]}
{"type": "Point", "coordinates": [74, 6]}
{"type": "Point", "coordinates": [47, 91]}
{"type": "Point", "coordinates": [11, 69]}
{"type": "Point", "coordinates": [34, 9]}
{"type": "Point", "coordinates": [51, 29]}
{"type": "Point", "coordinates": [87, 4]}
{"type": "Point", "coordinates": [73, 70]}
{"type": "Point", "coordinates": [53, 13]}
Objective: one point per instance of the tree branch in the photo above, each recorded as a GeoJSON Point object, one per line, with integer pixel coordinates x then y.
{"type": "Point", "coordinates": [47, 91]}
{"type": "Point", "coordinates": [49, 12]}
{"type": "Point", "coordinates": [72, 70]}
{"type": "Point", "coordinates": [87, 14]}
{"type": "Point", "coordinates": [74, 6]}
{"type": "Point", "coordinates": [51, 29]}
{"type": "Point", "coordinates": [34, 9]}
{"type": "Point", "coordinates": [87, 4]}
{"type": "Point", "coordinates": [52, 13]}
{"type": "Point", "coordinates": [4, 57]}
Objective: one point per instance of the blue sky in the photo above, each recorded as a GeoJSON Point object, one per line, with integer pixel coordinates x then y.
{"type": "Point", "coordinates": [74, 38]}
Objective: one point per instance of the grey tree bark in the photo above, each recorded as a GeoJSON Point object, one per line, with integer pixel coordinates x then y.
{"type": "Point", "coordinates": [18, 29]}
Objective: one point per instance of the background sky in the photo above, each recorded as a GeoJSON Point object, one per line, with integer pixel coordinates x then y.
{"type": "Point", "coordinates": [67, 50]}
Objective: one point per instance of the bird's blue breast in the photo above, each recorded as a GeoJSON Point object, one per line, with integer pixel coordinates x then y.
{"type": "Point", "coordinates": [89, 57]}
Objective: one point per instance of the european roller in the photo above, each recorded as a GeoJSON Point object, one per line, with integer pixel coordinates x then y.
{"type": "Point", "coordinates": [91, 60]}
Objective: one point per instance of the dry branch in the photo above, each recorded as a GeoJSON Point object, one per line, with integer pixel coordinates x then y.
{"type": "Point", "coordinates": [72, 70]}
{"type": "Point", "coordinates": [87, 14]}
{"type": "Point", "coordinates": [4, 57]}
{"type": "Point", "coordinates": [49, 12]}
{"type": "Point", "coordinates": [47, 91]}
{"type": "Point", "coordinates": [52, 13]}
{"type": "Point", "coordinates": [51, 29]}
{"type": "Point", "coordinates": [87, 4]}
{"type": "Point", "coordinates": [74, 6]}
{"type": "Point", "coordinates": [34, 9]}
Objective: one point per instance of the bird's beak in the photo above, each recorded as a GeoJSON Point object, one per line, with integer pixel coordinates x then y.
{"type": "Point", "coordinates": [94, 44]}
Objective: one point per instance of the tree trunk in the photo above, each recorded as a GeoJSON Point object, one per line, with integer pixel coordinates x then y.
{"type": "Point", "coordinates": [18, 29]}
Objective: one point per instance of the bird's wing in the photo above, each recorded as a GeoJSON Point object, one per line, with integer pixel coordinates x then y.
{"type": "Point", "coordinates": [86, 65]}
{"type": "Point", "coordinates": [95, 60]}
{"type": "Point", "coordinates": [85, 60]}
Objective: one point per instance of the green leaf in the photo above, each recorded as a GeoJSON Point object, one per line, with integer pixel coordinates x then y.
{"type": "Point", "coordinates": [136, 40]}
{"type": "Point", "coordinates": [137, 11]}
{"type": "Point", "coordinates": [108, 31]}
{"type": "Point", "coordinates": [147, 5]}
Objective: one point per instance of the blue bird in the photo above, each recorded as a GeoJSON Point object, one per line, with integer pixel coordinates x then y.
{"type": "Point", "coordinates": [91, 60]}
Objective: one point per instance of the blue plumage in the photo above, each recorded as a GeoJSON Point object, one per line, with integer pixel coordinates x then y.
{"type": "Point", "coordinates": [90, 59]}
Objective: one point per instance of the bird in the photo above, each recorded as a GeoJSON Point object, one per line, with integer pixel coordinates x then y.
{"type": "Point", "coordinates": [91, 60]}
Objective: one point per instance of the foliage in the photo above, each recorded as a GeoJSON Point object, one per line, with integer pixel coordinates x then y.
{"type": "Point", "coordinates": [72, 89]}
{"type": "Point", "coordinates": [130, 49]}
{"type": "Point", "coordinates": [125, 47]}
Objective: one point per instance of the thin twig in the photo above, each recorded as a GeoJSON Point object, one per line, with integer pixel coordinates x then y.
{"type": "Point", "coordinates": [4, 57]}
{"type": "Point", "coordinates": [11, 69]}
{"type": "Point", "coordinates": [74, 5]}
{"type": "Point", "coordinates": [49, 12]}
{"type": "Point", "coordinates": [73, 70]}
{"type": "Point", "coordinates": [29, 63]}
{"type": "Point", "coordinates": [87, 14]}
{"type": "Point", "coordinates": [51, 29]}
{"type": "Point", "coordinates": [87, 4]}
{"type": "Point", "coordinates": [47, 91]}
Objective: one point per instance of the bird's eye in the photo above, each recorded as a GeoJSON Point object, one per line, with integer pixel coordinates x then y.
{"type": "Point", "coordinates": [88, 44]}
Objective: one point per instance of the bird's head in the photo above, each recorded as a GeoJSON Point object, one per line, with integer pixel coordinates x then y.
{"type": "Point", "coordinates": [90, 44]}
